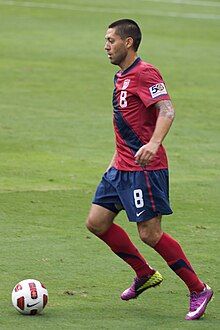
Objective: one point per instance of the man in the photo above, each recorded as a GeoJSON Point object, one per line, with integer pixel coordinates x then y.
{"type": "Point", "coordinates": [137, 177]}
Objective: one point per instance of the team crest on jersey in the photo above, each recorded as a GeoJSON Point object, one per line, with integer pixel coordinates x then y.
{"type": "Point", "coordinates": [157, 90]}
{"type": "Point", "coordinates": [126, 84]}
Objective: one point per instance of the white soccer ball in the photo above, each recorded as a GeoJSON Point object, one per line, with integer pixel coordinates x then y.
{"type": "Point", "coordinates": [29, 297]}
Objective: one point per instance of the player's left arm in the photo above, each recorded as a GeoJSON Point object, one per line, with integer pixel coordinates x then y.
{"type": "Point", "coordinates": [164, 121]}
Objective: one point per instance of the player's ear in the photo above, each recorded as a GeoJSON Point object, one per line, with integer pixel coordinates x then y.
{"type": "Point", "coordinates": [129, 42]}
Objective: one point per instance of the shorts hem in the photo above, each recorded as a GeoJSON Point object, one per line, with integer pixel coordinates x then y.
{"type": "Point", "coordinates": [150, 216]}
{"type": "Point", "coordinates": [108, 207]}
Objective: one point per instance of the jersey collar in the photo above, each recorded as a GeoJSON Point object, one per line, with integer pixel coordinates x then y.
{"type": "Point", "coordinates": [131, 66]}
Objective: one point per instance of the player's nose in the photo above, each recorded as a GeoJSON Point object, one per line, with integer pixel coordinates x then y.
{"type": "Point", "coordinates": [107, 46]}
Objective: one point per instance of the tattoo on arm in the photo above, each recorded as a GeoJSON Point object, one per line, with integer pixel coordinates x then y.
{"type": "Point", "coordinates": [166, 109]}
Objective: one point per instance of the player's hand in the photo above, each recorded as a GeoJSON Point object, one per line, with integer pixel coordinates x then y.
{"type": "Point", "coordinates": [146, 153]}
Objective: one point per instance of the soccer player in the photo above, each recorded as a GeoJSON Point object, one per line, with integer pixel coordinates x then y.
{"type": "Point", "coordinates": [137, 177]}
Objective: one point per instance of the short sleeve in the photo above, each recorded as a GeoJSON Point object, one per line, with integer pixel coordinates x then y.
{"type": "Point", "coordinates": [151, 87]}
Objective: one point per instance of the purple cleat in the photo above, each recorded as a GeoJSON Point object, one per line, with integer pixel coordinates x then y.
{"type": "Point", "coordinates": [198, 303]}
{"type": "Point", "coordinates": [140, 285]}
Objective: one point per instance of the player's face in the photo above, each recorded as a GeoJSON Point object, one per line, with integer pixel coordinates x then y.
{"type": "Point", "coordinates": [115, 47]}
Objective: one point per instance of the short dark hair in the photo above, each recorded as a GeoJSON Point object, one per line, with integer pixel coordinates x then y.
{"type": "Point", "coordinates": [128, 28]}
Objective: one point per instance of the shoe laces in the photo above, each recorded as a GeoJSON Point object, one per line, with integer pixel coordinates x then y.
{"type": "Point", "coordinates": [194, 300]}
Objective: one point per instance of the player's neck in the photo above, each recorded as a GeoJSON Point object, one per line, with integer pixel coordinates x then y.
{"type": "Point", "coordinates": [129, 60]}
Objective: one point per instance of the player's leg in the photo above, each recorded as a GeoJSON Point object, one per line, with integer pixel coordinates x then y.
{"type": "Point", "coordinates": [100, 223]}
{"type": "Point", "coordinates": [106, 205]}
{"type": "Point", "coordinates": [99, 219]}
{"type": "Point", "coordinates": [155, 201]}
{"type": "Point", "coordinates": [141, 284]}
{"type": "Point", "coordinates": [170, 250]}
{"type": "Point", "coordinates": [151, 233]}
{"type": "Point", "coordinates": [200, 294]}
{"type": "Point", "coordinates": [150, 198]}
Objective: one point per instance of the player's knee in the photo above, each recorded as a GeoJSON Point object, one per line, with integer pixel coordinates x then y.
{"type": "Point", "coordinates": [150, 238]}
{"type": "Point", "coordinates": [90, 225]}
{"type": "Point", "coordinates": [94, 227]}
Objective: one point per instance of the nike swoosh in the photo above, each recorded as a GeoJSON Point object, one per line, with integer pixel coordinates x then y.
{"type": "Point", "coordinates": [191, 314]}
{"type": "Point", "coordinates": [138, 214]}
{"type": "Point", "coordinates": [32, 305]}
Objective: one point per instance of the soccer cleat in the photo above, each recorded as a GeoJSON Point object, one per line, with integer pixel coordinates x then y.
{"type": "Point", "coordinates": [198, 303]}
{"type": "Point", "coordinates": [141, 284]}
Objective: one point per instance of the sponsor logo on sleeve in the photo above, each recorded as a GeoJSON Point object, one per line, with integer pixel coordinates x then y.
{"type": "Point", "coordinates": [157, 90]}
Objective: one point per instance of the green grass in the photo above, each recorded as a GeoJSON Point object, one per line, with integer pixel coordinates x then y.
{"type": "Point", "coordinates": [56, 140]}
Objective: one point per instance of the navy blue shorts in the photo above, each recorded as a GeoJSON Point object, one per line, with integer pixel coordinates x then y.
{"type": "Point", "coordinates": [143, 195]}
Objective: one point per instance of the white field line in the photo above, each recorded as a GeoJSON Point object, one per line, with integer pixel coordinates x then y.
{"type": "Point", "coordinates": [188, 2]}
{"type": "Point", "coordinates": [123, 11]}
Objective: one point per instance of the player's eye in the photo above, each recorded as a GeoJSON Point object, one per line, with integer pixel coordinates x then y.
{"type": "Point", "coordinates": [110, 40]}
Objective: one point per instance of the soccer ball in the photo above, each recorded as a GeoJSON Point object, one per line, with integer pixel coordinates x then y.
{"type": "Point", "coordinates": [29, 297]}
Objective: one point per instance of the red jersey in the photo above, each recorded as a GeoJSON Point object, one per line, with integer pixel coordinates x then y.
{"type": "Point", "coordinates": [137, 89]}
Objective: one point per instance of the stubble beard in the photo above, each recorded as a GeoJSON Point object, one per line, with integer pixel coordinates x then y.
{"type": "Point", "coordinates": [119, 59]}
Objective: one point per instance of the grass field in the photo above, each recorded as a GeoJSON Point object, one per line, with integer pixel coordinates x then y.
{"type": "Point", "coordinates": [56, 140]}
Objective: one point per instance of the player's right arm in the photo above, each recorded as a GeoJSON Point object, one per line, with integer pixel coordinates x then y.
{"type": "Point", "coordinates": [152, 91]}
